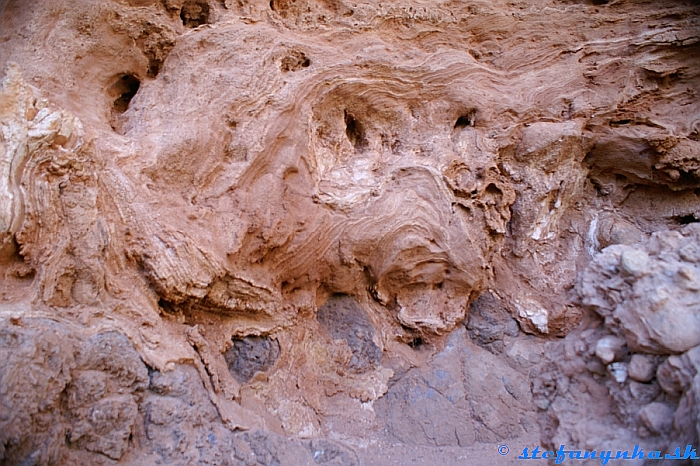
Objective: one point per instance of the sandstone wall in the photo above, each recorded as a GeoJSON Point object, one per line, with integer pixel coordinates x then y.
{"type": "Point", "coordinates": [335, 232]}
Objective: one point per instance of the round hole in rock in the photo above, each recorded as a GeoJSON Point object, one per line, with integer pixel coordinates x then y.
{"type": "Point", "coordinates": [294, 61]}
{"type": "Point", "coordinates": [281, 6]}
{"type": "Point", "coordinates": [464, 120]}
{"type": "Point", "coordinates": [123, 90]}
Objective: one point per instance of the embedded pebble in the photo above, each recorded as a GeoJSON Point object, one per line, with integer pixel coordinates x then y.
{"type": "Point", "coordinates": [609, 348]}
{"type": "Point", "coordinates": [634, 262]}
{"type": "Point", "coordinates": [618, 371]}
{"type": "Point", "coordinates": [641, 368]}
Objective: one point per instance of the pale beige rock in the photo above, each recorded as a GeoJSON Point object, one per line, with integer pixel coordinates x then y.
{"type": "Point", "coordinates": [634, 262]}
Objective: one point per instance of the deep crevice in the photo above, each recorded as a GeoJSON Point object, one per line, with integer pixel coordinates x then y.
{"type": "Point", "coordinates": [620, 122]}
{"type": "Point", "coordinates": [686, 219]}
{"type": "Point", "coordinates": [123, 90]}
{"type": "Point", "coordinates": [166, 306]}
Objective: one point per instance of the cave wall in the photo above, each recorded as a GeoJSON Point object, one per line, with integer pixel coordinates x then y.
{"type": "Point", "coordinates": [334, 232]}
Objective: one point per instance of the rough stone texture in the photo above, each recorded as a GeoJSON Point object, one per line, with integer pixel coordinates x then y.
{"type": "Point", "coordinates": [489, 323]}
{"type": "Point", "coordinates": [653, 298]}
{"type": "Point", "coordinates": [641, 368]}
{"type": "Point", "coordinates": [331, 232]}
{"type": "Point", "coordinates": [482, 399]}
{"type": "Point", "coordinates": [250, 355]}
{"type": "Point", "coordinates": [610, 348]}
{"type": "Point", "coordinates": [345, 319]}
{"type": "Point", "coordinates": [657, 417]}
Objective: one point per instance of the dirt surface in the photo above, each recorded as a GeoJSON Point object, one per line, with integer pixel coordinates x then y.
{"type": "Point", "coordinates": [297, 232]}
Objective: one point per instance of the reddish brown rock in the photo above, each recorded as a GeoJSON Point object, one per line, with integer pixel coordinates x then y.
{"type": "Point", "coordinates": [249, 232]}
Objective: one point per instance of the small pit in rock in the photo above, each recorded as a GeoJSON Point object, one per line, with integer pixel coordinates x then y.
{"type": "Point", "coordinates": [123, 90]}
{"type": "Point", "coordinates": [250, 355]}
{"type": "Point", "coordinates": [281, 6]}
{"type": "Point", "coordinates": [354, 131]}
{"type": "Point", "coordinates": [344, 318]}
{"type": "Point", "coordinates": [295, 61]}
{"type": "Point", "coordinates": [416, 343]}
{"type": "Point", "coordinates": [465, 120]}
{"type": "Point", "coordinates": [194, 13]}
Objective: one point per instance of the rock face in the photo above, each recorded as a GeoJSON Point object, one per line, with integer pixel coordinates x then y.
{"type": "Point", "coordinates": [334, 232]}
{"type": "Point", "coordinates": [652, 299]}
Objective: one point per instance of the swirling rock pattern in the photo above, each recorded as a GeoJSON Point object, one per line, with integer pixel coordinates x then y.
{"type": "Point", "coordinates": [300, 201]}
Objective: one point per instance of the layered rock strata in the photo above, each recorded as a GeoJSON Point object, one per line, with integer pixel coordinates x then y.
{"type": "Point", "coordinates": [318, 231]}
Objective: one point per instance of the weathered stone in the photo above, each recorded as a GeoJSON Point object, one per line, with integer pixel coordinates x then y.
{"type": "Point", "coordinates": [641, 368]}
{"type": "Point", "coordinates": [345, 319]}
{"type": "Point", "coordinates": [227, 226]}
{"type": "Point", "coordinates": [634, 262]}
{"type": "Point", "coordinates": [618, 371]}
{"type": "Point", "coordinates": [657, 417]}
{"type": "Point", "coordinates": [656, 311]}
{"type": "Point", "coordinates": [610, 348]}
{"type": "Point", "coordinates": [250, 355]}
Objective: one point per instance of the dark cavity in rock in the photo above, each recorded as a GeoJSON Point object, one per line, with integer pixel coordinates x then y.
{"type": "Point", "coordinates": [124, 89]}
{"type": "Point", "coordinates": [194, 13]}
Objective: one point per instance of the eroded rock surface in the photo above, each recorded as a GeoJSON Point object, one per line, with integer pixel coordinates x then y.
{"type": "Point", "coordinates": [649, 292]}
{"type": "Point", "coordinates": [332, 232]}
